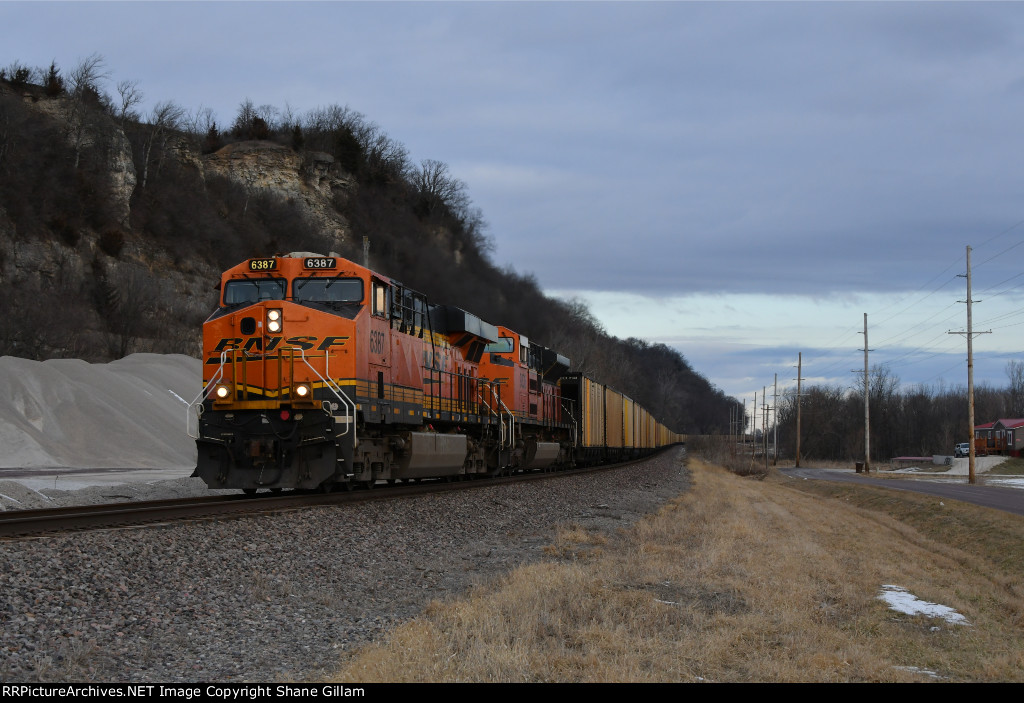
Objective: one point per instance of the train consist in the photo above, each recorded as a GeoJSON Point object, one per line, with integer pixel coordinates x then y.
{"type": "Point", "coordinates": [322, 374]}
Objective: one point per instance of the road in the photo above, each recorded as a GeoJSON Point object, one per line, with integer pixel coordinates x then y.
{"type": "Point", "coordinates": [1009, 499]}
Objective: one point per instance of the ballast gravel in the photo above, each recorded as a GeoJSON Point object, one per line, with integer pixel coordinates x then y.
{"type": "Point", "coordinates": [279, 597]}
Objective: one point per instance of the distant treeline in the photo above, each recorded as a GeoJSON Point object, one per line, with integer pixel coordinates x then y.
{"type": "Point", "coordinates": [917, 421]}
{"type": "Point", "coordinates": [117, 280]}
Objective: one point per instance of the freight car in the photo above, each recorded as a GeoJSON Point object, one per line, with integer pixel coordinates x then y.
{"type": "Point", "coordinates": [322, 374]}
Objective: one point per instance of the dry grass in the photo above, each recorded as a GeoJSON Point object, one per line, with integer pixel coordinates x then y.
{"type": "Point", "coordinates": [1013, 466]}
{"type": "Point", "coordinates": [737, 580]}
{"type": "Point", "coordinates": [722, 450]}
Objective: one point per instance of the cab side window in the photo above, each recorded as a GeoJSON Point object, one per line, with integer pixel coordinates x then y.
{"type": "Point", "coordinates": [380, 299]}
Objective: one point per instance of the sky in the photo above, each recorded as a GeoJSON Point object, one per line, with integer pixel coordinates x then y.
{"type": "Point", "coordinates": [741, 181]}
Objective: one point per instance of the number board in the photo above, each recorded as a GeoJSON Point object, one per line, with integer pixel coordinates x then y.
{"type": "Point", "coordinates": [320, 262]}
{"type": "Point", "coordinates": [262, 264]}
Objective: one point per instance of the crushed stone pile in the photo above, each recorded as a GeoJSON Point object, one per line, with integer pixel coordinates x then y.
{"type": "Point", "coordinates": [68, 413]}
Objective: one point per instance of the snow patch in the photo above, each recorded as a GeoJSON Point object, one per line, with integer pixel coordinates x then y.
{"type": "Point", "coordinates": [903, 601]}
{"type": "Point", "coordinates": [918, 670]}
{"type": "Point", "coordinates": [1008, 482]}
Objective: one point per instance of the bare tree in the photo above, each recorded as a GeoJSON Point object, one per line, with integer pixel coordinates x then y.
{"type": "Point", "coordinates": [330, 119]}
{"type": "Point", "coordinates": [475, 227]}
{"type": "Point", "coordinates": [269, 114]}
{"type": "Point", "coordinates": [387, 159]}
{"type": "Point", "coordinates": [287, 120]}
{"type": "Point", "coordinates": [166, 117]}
{"type": "Point", "coordinates": [436, 187]}
{"type": "Point", "coordinates": [252, 122]}
{"type": "Point", "coordinates": [18, 74]}
{"type": "Point", "coordinates": [129, 96]}
{"type": "Point", "coordinates": [197, 125]}
{"type": "Point", "coordinates": [126, 299]}
{"type": "Point", "coordinates": [1015, 372]}
{"type": "Point", "coordinates": [84, 84]}
{"type": "Point", "coordinates": [86, 76]}
{"type": "Point", "coordinates": [198, 122]}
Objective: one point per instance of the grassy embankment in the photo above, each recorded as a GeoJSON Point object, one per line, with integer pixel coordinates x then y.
{"type": "Point", "coordinates": [739, 580]}
{"type": "Point", "coordinates": [1010, 467]}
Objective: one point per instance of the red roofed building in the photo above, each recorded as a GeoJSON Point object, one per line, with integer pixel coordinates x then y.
{"type": "Point", "coordinates": [1005, 436]}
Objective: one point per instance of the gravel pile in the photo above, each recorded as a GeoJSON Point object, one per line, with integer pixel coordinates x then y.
{"type": "Point", "coordinates": [34, 494]}
{"type": "Point", "coordinates": [278, 597]}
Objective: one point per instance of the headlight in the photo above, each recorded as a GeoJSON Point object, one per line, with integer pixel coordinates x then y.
{"type": "Point", "coordinates": [222, 392]}
{"type": "Point", "coordinates": [302, 390]}
{"type": "Point", "coordinates": [274, 321]}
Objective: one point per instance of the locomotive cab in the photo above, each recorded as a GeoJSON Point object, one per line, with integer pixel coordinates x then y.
{"type": "Point", "coordinates": [277, 351]}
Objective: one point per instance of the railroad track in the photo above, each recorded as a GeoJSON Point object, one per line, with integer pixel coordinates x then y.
{"type": "Point", "coordinates": [17, 524]}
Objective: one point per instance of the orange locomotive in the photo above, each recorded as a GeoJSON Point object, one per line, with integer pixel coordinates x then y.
{"type": "Point", "coordinates": [320, 373]}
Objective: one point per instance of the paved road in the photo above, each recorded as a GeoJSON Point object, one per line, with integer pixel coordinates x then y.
{"type": "Point", "coordinates": [1009, 499]}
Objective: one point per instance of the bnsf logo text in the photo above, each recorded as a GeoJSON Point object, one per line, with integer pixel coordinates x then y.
{"type": "Point", "coordinates": [303, 342]}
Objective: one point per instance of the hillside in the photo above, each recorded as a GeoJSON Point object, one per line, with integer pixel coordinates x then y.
{"type": "Point", "coordinates": [115, 227]}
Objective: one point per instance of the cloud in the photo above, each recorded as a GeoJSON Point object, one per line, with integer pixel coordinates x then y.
{"type": "Point", "coordinates": [826, 158]}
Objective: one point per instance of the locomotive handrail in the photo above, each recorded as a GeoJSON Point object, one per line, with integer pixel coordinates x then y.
{"type": "Point", "coordinates": [338, 393]}
{"type": "Point", "coordinates": [483, 399]}
{"type": "Point", "coordinates": [575, 425]}
{"type": "Point", "coordinates": [481, 394]}
{"type": "Point", "coordinates": [203, 393]}
{"type": "Point", "coordinates": [501, 423]}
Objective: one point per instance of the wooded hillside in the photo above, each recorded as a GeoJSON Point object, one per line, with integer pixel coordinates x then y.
{"type": "Point", "coordinates": [114, 227]}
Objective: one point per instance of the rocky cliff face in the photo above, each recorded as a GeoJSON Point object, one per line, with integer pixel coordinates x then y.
{"type": "Point", "coordinates": [310, 179]}
{"type": "Point", "coordinates": [122, 175]}
{"type": "Point", "coordinates": [85, 130]}
{"type": "Point", "coordinates": [111, 281]}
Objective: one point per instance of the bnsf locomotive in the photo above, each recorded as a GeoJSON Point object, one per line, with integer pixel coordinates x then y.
{"type": "Point", "coordinates": [319, 374]}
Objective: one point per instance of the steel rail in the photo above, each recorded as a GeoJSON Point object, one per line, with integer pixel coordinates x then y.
{"type": "Point", "coordinates": [16, 524]}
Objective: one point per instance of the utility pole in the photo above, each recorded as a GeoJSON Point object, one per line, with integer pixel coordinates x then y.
{"type": "Point", "coordinates": [970, 376]}
{"type": "Point", "coordinates": [764, 424]}
{"type": "Point", "coordinates": [775, 415]}
{"type": "Point", "coordinates": [753, 432]}
{"type": "Point", "coordinates": [970, 367]}
{"type": "Point", "coordinates": [799, 363]}
{"type": "Point", "coordinates": [867, 412]}
{"type": "Point", "coordinates": [733, 428]}
{"type": "Point", "coordinates": [366, 252]}
{"type": "Point", "coordinates": [743, 424]}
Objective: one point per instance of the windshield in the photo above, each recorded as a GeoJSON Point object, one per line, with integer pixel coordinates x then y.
{"type": "Point", "coordinates": [253, 290]}
{"type": "Point", "coordinates": [502, 346]}
{"type": "Point", "coordinates": [327, 290]}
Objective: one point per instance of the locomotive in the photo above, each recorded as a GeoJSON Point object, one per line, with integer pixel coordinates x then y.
{"type": "Point", "coordinates": [322, 374]}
